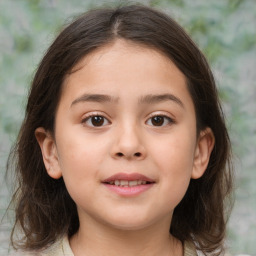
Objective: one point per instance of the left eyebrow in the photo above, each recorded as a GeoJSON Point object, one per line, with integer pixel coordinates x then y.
{"type": "Point", "coordinates": [151, 99]}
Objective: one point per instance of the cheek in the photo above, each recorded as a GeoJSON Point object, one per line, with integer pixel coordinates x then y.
{"type": "Point", "coordinates": [174, 159]}
{"type": "Point", "coordinates": [78, 162]}
{"type": "Point", "coordinates": [79, 151]}
{"type": "Point", "coordinates": [78, 171]}
{"type": "Point", "coordinates": [175, 153]}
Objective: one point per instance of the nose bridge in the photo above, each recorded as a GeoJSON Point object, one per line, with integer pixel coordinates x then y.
{"type": "Point", "coordinates": [129, 141]}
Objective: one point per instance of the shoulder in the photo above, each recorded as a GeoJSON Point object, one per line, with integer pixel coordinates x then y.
{"type": "Point", "coordinates": [59, 248]}
{"type": "Point", "coordinates": [189, 249]}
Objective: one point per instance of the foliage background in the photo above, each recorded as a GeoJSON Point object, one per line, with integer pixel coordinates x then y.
{"type": "Point", "coordinates": [224, 29]}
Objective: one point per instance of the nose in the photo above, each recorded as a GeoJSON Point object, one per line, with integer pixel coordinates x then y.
{"type": "Point", "coordinates": [128, 144]}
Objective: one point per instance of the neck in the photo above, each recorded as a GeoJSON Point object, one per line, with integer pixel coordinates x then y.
{"type": "Point", "coordinates": [104, 240]}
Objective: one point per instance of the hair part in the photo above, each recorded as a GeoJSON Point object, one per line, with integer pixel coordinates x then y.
{"type": "Point", "coordinates": [44, 209]}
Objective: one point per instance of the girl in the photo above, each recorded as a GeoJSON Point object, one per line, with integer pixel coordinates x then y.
{"type": "Point", "coordinates": [123, 149]}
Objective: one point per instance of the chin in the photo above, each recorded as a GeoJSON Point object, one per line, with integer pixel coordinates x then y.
{"type": "Point", "coordinates": [130, 222]}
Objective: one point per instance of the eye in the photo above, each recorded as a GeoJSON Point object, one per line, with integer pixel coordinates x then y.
{"type": "Point", "coordinates": [95, 121]}
{"type": "Point", "coordinates": [159, 120]}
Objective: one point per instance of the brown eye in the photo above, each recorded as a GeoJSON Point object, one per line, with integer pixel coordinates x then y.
{"type": "Point", "coordinates": [95, 121]}
{"type": "Point", "coordinates": [159, 120]}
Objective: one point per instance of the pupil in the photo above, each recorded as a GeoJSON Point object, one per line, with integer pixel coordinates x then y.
{"type": "Point", "coordinates": [97, 120]}
{"type": "Point", "coordinates": [158, 120]}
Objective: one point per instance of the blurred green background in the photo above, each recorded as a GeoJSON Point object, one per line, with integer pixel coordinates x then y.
{"type": "Point", "coordinates": [224, 29]}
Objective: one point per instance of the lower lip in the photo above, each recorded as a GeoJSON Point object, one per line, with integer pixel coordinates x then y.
{"type": "Point", "coordinates": [129, 191]}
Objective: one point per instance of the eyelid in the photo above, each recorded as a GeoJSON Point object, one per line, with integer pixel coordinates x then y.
{"type": "Point", "coordinates": [87, 116]}
{"type": "Point", "coordinates": [170, 119]}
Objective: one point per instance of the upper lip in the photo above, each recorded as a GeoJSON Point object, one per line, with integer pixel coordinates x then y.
{"type": "Point", "coordinates": [128, 177]}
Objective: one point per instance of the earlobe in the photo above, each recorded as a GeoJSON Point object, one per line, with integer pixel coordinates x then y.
{"type": "Point", "coordinates": [49, 152]}
{"type": "Point", "coordinates": [203, 152]}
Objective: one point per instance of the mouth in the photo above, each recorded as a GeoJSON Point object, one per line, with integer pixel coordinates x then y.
{"type": "Point", "coordinates": [128, 184]}
{"type": "Point", "coordinates": [128, 179]}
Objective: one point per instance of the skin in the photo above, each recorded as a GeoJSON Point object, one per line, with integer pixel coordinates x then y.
{"type": "Point", "coordinates": [128, 140]}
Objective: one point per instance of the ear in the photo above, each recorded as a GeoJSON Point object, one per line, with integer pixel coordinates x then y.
{"type": "Point", "coordinates": [205, 144]}
{"type": "Point", "coordinates": [49, 152]}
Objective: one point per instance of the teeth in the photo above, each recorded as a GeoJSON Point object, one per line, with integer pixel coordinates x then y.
{"type": "Point", "coordinates": [133, 183]}
{"type": "Point", "coordinates": [126, 183]}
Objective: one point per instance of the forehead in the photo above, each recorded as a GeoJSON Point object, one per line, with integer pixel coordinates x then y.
{"type": "Point", "coordinates": [121, 48]}
{"type": "Point", "coordinates": [126, 54]}
{"type": "Point", "coordinates": [123, 65]}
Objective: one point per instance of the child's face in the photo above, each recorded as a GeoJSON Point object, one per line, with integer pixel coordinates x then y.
{"type": "Point", "coordinates": [126, 111]}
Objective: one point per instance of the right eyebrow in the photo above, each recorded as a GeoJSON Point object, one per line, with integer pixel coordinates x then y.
{"type": "Point", "coordinates": [94, 98]}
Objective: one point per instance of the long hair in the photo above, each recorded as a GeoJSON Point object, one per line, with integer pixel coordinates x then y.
{"type": "Point", "coordinates": [44, 209]}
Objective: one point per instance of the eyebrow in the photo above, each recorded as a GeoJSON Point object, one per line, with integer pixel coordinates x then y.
{"type": "Point", "coordinates": [152, 99]}
{"type": "Point", "coordinates": [146, 99]}
{"type": "Point", "coordinates": [101, 98]}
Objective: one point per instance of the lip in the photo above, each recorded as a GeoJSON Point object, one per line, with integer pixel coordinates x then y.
{"type": "Point", "coordinates": [128, 191]}
{"type": "Point", "coordinates": [128, 177]}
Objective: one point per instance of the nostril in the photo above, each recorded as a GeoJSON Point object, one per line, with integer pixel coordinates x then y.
{"type": "Point", "coordinates": [120, 154]}
{"type": "Point", "coordinates": [138, 154]}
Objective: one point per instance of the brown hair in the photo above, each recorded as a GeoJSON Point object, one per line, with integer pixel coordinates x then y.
{"type": "Point", "coordinates": [44, 209]}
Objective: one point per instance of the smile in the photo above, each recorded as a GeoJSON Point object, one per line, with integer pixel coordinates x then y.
{"type": "Point", "coordinates": [126, 183]}
{"type": "Point", "coordinates": [131, 184]}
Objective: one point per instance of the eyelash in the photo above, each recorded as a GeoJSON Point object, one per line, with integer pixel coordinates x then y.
{"type": "Point", "coordinates": [166, 120]}
{"type": "Point", "coordinates": [89, 118]}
